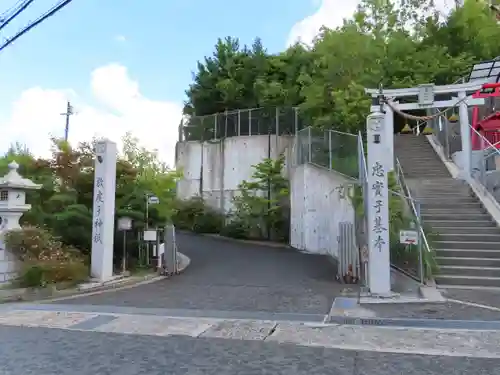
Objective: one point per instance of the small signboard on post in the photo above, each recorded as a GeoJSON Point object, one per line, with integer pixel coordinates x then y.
{"type": "Point", "coordinates": [124, 223]}
{"type": "Point", "coordinates": [149, 235]}
{"type": "Point", "coordinates": [408, 237]}
{"type": "Point", "coordinates": [153, 200]}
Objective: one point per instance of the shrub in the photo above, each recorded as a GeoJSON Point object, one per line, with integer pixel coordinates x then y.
{"type": "Point", "coordinates": [43, 258]}
{"type": "Point", "coordinates": [235, 229]}
{"type": "Point", "coordinates": [40, 274]}
{"type": "Point", "coordinates": [194, 215]}
{"type": "Point", "coordinates": [34, 243]}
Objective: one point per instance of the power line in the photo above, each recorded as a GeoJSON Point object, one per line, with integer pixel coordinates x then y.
{"type": "Point", "coordinates": [4, 21]}
{"type": "Point", "coordinates": [35, 23]}
{"type": "Point", "coordinates": [4, 13]}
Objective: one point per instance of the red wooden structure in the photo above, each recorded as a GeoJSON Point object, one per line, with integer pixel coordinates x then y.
{"type": "Point", "coordinates": [486, 119]}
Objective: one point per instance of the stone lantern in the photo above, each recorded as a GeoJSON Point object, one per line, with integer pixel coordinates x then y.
{"type": "Point", "coordinates": [13, 205]}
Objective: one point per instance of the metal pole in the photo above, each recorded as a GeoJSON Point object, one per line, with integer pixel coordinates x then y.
{"type": "Point", "coordinates": [124, 260]}
{"type": "Point", "coordinates": [158, 245]}
{"type": "Point", "coordinates": [249, 122]}
{"type": "Point", "coordinates": [419, 246]}
{"type": "Point", "coordinates": [330, 150]}
{"type": "Point", "coordinates": [277, 121]}
{"type": "Point", "coordinates": [146, 254]}
{"type": "Point", "coordinates": [309, 158]}
{"type": "Point", "coordinates": [239, 122]}
{"type": "Point", "coordinates": [147, 211]}
{"type": "Point", "coordinates": [215, 126]}
{"type": "Point", "coordinates": [298, 148]}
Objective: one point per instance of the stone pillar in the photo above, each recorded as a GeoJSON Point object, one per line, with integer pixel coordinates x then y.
{"type": "Point", "coordinates": [389, 133]}
{"type": "Point", "coordinates": [465, 133]}
{"type": "Point", "coordinates": [103, 222]}
{"type": "Point", "coordinates": [379, 271]}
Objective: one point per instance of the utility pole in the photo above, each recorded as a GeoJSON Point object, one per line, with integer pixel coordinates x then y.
{"type": "Point", "coordinates": [69, 112]}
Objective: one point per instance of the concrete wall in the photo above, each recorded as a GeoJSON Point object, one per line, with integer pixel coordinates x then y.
{"type": "Point", "coordinates": [318, 205]}
{"type": "Point", "coordinates": [223, 165]}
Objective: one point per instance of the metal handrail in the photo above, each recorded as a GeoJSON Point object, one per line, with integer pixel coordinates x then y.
{"type": "Point", "coordinates": [493, 146]}
{"type": "Point", "coordinates": [416, 212]}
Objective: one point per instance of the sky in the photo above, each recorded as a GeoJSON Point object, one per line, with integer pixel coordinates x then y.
{"type": "Point", "coordinates": [125, 65]}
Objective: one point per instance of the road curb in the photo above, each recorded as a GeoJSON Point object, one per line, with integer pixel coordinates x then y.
{"type": "Point", "coordinates": [51, 294]}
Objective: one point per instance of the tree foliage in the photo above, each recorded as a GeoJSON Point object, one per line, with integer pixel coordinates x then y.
{"type": "Point", "coordinates": [64, 203]}
{"type": "Point", "coordinates": [396, 43]}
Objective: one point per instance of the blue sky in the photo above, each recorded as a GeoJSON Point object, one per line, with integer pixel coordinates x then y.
{"type": "Point", "coordinates": [142, 58]}
{"type": "Point", "coordinates": [162, 41]}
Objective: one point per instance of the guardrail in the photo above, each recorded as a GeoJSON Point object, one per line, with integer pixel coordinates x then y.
{"type": "Point", "coordinates": [415, 208]}
{"type": "Point", "coordinates": [488, 158]}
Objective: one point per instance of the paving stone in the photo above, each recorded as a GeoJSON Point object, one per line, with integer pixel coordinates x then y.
{"type": "Point", "coordinates": [242, 330]}
{"type": "Point", "coordinates": [158, 326]}
{"type": "Point", "coordinates": [47, 319]}
{"type": "Point", "coordinates": [403, 340]}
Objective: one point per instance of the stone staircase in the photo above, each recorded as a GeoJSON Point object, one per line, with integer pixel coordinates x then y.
{"type": "Point", "coordinates": [468, 240]}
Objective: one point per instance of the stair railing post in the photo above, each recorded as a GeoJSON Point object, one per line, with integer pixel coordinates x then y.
{"type": "Point", "coordinates": [309, 145]}
{"type": "Point", "coordinates": [329, 150]}
{"type": "Point", "coordinates": [419, 243]}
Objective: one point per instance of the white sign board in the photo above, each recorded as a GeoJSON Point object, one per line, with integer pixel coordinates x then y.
{"type": "Point", "coordinates": [153, 200]}
{"type": "Point", "coordinates": [150, 235]}
{"type": "Point", "coordinates": [124, 223]}
{"type": "Point", "coordinates": [408, 237]}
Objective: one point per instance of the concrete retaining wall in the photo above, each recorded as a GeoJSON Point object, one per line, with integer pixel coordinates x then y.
{"type": "Point", "coordinates": [318, 205]}
{"type": "Point", "coordinates": [220, 166]}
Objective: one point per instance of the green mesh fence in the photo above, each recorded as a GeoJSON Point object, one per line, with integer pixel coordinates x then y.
{"type": "Point", "coordinates": [242, 122]}
{"type": "Point", "coordinates": [330, 149]}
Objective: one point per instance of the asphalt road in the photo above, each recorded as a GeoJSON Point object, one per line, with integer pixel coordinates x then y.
{"type": "Point", "coordinates": [231, 276]}
{"type": "Point", "coordinates": [442, 311]}
{"type": "Point", "coordinates": [55, 352]}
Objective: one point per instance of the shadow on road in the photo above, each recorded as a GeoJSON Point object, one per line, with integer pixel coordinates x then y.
{"type": "Point", "coordinates": [232, 276]}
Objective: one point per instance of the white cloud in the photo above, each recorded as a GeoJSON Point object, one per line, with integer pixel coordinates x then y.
{"type": "Point", "coordinates": [37, 114]}
{"type": "Point", "coordinates": [120, 38]}
{"type": "Point", "coordinates": [331, 14]}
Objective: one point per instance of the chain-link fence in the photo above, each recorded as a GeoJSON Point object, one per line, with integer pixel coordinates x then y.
{"type": "Point", "coordinates": [330, 149]}
{"type": "Point", "coordinates": [241, 122]}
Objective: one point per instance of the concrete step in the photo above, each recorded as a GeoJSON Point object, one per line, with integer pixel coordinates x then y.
{"type": "Point", "coordinates": [452, 217]}
{"type": "Point", "coordinates": [438, 204]}
{"type": "Point", "coordinates": [444, 188]}
{"type": "Point", "coordinates": [447, 200]}
{"type": "Point", "coordinates": [451, 211]}
{"type": "Point", "coordinates": [467, 280]}
{"type": "Point", "coordinates": [470, 271]}
{"type": "Point", "coordinates": [452, 244]}
{"type": "Point", "coordinates": [420, 163]}
{"type": "Point", "coordinates": [467, 262]}
{"type": "Point", "coordinates": [469, 237]}
{"type": "Point", "coordinates": [437, 171]}
{"type": "Point", "coordinates": [467, 253]}
{"type": "Point", "coordinates": [417, 174]}
{"type": "Point", "coordinates": [438, 193]}
{"type": "Point", "coordinates": [443, 231]}
{"type": "Point", "coordinates": [436, 224]}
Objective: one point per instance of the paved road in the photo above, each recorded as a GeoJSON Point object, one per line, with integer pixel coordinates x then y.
{"type": "Point", "coordinates": [448, 311]}
{"type": "Point", "coordinates": [54, 352]}
{"type": "Point", "coordinates": [231, 276]}
{"type": "Point", "coordinates": [489, 297]}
